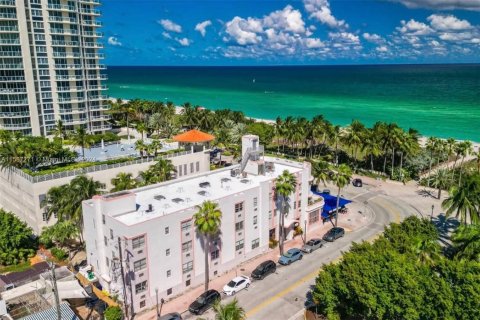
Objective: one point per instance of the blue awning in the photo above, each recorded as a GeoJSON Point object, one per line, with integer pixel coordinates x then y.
{"type": "Point", "coordinates": [331, 203]}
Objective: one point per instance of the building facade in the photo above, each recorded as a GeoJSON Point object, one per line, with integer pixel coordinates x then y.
{"type": "Point", "coordinates": [149, 233]}
{"type": "Point", "coordinates": [23, 194]}
{"type": "Point", "coordinates": [50, 66]}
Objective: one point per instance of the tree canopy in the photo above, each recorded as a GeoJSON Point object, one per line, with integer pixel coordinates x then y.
{"type": "Point", "coordinates": [17, 242]}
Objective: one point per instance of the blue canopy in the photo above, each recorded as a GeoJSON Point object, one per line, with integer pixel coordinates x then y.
{"type": "Point", "coordinates": [331, 203]}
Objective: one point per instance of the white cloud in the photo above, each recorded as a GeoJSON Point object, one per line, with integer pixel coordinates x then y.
{"type": "Point", "coordinates": [184, 41]}
{"type": "Point", "coordinates": [114, 42]}
{"type": "Point", "coordinates": [414, 28]}
{"type": "Point", "coordinates": [202, 27]}
{"type": "Point", "coordinates": [320, 10]}
{"type": "Point", "coordinates": [460, 36]}
{"type": "Point", "coordinates": [166, 35]}
{"type": "Point", "coordinates": [442, 4]}
{"type": "Point", "coordinates": [169, 25]}
{"type": "Point", "coordinates": [344, 37]}
{"type": "Point", "coordinates": [448, 22]}
{"type": "Point", "coordinates": [287, 19]}
{"type": "Point", "coordinates": [244, 31]}
{"type": "Point", "coordinates": [372, 37]}
{"type": "Point", "coordinates": [313, 43]}
{"type": "Point", "coordinates": [382, 49]}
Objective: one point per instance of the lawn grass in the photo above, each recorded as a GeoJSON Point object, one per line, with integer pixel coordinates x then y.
{"type": "Point", "coordinates": [15, 268]}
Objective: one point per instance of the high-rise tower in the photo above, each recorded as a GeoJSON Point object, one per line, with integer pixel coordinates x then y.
{"type": "Point", "coordinates": [50, 66]}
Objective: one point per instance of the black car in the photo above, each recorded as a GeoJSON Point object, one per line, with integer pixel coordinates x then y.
{"type": "Point", "coordinates": [171, 316]}
{"type": "Point", "coordinates": [204, 302]}
{"type": "Point", "coordinates": [333, 234]}
{"type": "Point", "coordinates": [357, 182]}
{"type": "Point", "coordinates": [264, 269]}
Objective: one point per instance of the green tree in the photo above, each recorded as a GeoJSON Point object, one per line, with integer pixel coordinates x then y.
{"type": "Point", "coordinates": [440, 180]}
{"type": "Point", "coordinates": [353, 137]}
{"type": "Point", "coordinates": [207, 220]}
{"type": "Point", "coordinates": [123, 181]}
{"type": "Point", "coordinates": [61, 233]}
{"type": "Point", "coordinates": [163, 170]}
{"type": "Point", "coordinates": [229, 311]}
{"type": "Point", "coordinates": [321, 172]}
{"type": "Point", "coordinates": [284, 187]}
{"type": "Point", "coordinates": [340, 177]}
{"type": "Point", "coordinates": [17, 242]}
{"type": "Point", "coordinates": [113, 313]}
{"type": "Point", "coordinates": [464, 201]}
{"type": "Point", "coordinates": [264, 131]}
{"type": "Point", "coordinates": [60, 130]}
{"type": "Point", "coordinates": [466, 242]}
{"type": "Point", "coordinates": [81, 139]}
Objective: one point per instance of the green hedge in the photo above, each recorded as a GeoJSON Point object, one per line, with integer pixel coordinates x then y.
{"type": "Point", "coordinates": [59, 254]}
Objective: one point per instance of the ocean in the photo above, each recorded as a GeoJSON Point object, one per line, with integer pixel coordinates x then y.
{"type": "Point", "coordinates": [437, 100]}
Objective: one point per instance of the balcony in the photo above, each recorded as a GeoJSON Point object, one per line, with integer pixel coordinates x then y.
{"type": "Point", "coordinates": [17, 66]}
{"type": "Point", "coordinates": [101, 128]}
{"type": "Point", "coordinates": [68, 66]}
{"type": "Point", "coordinates": [93, 34]}
{"type": "Point", "coordinates": [16, 126]}
{"type": "Point", "coordinates": [94, 98]}
{"type": "Point", "coordinates": [64, 31]}
{"type": "Point", "coordinates": [66, 55]}
{"type": "Point", "coordinates": [96, 2]}
{"type": "Point", "coordinates": [101, 118]}
{"type": "Point", "coordinates": [7, 3]}
{"type": "Point", "coordinates": [18, 114]}
{"type": "Point", "coordinates": [99, 108]}
{"type": "Point", "coordinates": [70, 99]}
{"type": "Point", "coordinates": [69, 89]}
{"type": "Point", "coordinates": [93, 12]}
{"type": "Point", "coordinates": [10, 53]}
{"type": "Point", "coordinates": [12, 78]}
{"type": "Point", "coordinates": [74, 121]}
{"type": "Point", "coordinates": [93, 88]}
{"type": "Point", "coordinates": [8, 28]}
{"type": "Point", "coordinates": [72, 111]}
{"type": "Point", "coordinates": [97, 77]}
{"type": "Point", "coordinates": [60, 43]}
{"type": "Point", "coordinates": [92, 45]}
{"type": "Point", "coordinates": [61, 7]}
{"type": "Point", "coordinates": [94, 56]}
{"type": "Point", "coordinates": [13, 91]}
{"type": "Point", "coordinates": [9, 41]}
{"type": "Point", "coordinates": [69, 77]}
{"type": "Point", "coordinates": [91, 23]}
{"type": "Point", "coordinates": [8, 16]}
{"type": "Point", "coordinates": [62, 19]}
{"type": "Point", "coordinates": [95, 66]}
{"type": "Point", "coordinates": [315, 203]}
{"type": "Point", "coordinates": [14, 102]}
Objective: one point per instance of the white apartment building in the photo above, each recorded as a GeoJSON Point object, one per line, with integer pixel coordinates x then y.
{"type": "Point", "coordinates": [50, 66]}
{"type": "Point", "coordinates": [149, 234]}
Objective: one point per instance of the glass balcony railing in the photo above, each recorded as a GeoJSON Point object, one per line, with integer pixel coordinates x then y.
{"type": "Point", "coordinates": [17, 114]}
{"type": "Point", "coordinates": [8, 3]}
{"type": "Point", "coordinates": [63, 31]}
{"type": "Point", "coordinates": [8, 16]}
{"type": "Point", "coordinates": [17, 126]}
{"type": "Point", "coordinates": [12, 78]}
{"type": "Point", "coordinates": [65, 43]}
{"type": "Point", "coordinates": [9, 28]}
{"type": "Point", "coordinates": [61, 7]}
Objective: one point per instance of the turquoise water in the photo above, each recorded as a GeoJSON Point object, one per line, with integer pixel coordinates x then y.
{"type": "Point", "coordinates": [439, 100]}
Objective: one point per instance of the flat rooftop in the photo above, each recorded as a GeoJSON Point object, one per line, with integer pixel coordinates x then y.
{"type": "Point", "coordinates": [181, 194]}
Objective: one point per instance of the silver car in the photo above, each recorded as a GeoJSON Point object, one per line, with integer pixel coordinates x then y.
{"type": "Point", "coordinates": [312, 245]}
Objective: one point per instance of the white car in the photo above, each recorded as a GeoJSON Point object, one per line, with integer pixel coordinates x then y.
{"type": "Point", "coordinates": [236, 284]}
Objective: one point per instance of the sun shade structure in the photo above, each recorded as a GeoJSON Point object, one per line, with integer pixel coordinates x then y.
{"type": "Point", "coordinates": [193, 136]}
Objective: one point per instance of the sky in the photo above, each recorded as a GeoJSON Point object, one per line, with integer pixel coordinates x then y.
{"type": "Point", "coordinates": [290, 32]}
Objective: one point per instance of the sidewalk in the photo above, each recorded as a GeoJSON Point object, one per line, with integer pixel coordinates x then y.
{"type": "Point", "coordinates": [353, 220]}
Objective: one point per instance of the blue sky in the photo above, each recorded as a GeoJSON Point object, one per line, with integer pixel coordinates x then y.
{"type": "Point", "coordinates": [278, 32]}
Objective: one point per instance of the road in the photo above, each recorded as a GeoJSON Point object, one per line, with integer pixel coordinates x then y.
{"type": "Point", "coordinates": [282, 295]}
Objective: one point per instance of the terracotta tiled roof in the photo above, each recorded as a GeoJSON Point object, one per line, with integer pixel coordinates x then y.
{"type": "Point", "coordinates": [193, 136]}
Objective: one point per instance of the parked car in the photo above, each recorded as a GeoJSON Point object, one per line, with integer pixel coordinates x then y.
{"type": "Point", "coordinates": [204, 302]}
{"type": "Point", "coordinates": [290, 256]}
{"type": "Point", "coordinates": [357, 182]}
{"type": "Point", "coordinates": [312, 245]}
{"type": "Point", "coordinates": [264, 269]}
{"type": "Point", "coordinates": [236, 284]}
{"type": "Point", "coordinates": [333, 234]}
{"type": "Point", "coordinates": [171, 316]}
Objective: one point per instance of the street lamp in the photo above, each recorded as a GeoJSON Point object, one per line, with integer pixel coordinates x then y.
{"type": "Point", "coordinates": [156, 295]}
{"type": "Point", "coordinates": [431, 216]}
{"type": "Point", "coordinates": [162, 301]}
{"type": "Point", "coordinates": [305, 233]}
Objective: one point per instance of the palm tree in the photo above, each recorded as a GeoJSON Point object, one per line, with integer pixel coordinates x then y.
{"type": "Point", "coordinates": [207, 220]}
{"type": "Point", "coordinates": [278, 131]}
{"type": "Point", "coordinates": [466, 242]}
{"type": "Point", "coordinates": [123, 181]}
{"type": "Point", "coordinates": [466, 148]}
{"type": "Point", "coordinates": [340, 177]}
{"type": "Point", "coordinates": [428, 252]}
{"type": "Point", "coordinates": [127, 109]}
{"type": "Point", "coordinates": [440, 180]}
{"type": "Point", "coordinates": [394, 138]}
{"type": "Point", "coordinates": [353, 136]}
{"type": "Point", "coordinates": [229, 311]}
{"type": "Point", "coordinates": [59, 130]}
{"type": "Point", "coordinates": [371, 145]}
{"type": "Point", "coordinates": [141, 128]}
{"type": "Point", "coordinates": [321, 172]}
{"type": "Point", "coordinates": [464, 201]}
{"type": "Point", "coordinates": [155, 122]}
{"type": "Point", "coordinates": [284, 187]}
{"type": "Point", "coordinates": [140, 146]}
{"type": "Point", "coordinates": [5, 137]}
{"type": "Point", "coordinates": [81, 139]}
{"type": "Point", "coordinates": [163, 170]}
{"type": "Point", "coordinates": [334, 137]}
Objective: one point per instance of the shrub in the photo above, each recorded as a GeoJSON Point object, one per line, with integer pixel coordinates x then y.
{"type": "Point", "coordinates": [17, 242]}
{"type": "Point", "coordinates": [272, 243]}
{"type": "Point", "coordinates": [113, 313]}
{"type": "Point", "coordinates": [59, 254]}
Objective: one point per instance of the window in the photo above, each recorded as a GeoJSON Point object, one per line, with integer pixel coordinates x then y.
{"type": "Point", "coordinates": [169, 291]}
{"type": "Point", "coordinates": [103, 218]}
{"type": "Point", "coordinates": [180, 170]}
{"type": "Point", "coordinates": [313, 216]}
{"type": "Point", "coordinates": [255, 201]}
{"type": "Point", "coordinates": [187, 266]}
{"type": "Point", "coordinates": [239, 245]}
{"type": "Point", "coordinates": [185, 171]}
{"type": "Point", "coordinates": [138, 242]}
{"type": "Point", "coordinates": [186, 225]}
{"type": "Point", "coordinates": [255, 220]}
{"type": "Point", "coordinates": [105, 240]}
{"type": "Point", "coordinates": [107, 262]}
{"type": "Point", "coordinates": [294, 205]}
{"type": "Point", "coordinates": [238, 207]}
{"type": "Point", "coordinates": [140, 264]}
{"type": "Point", "coordinates": [187, 283]}
{"type": "Point", "coordinates": [167, 230]}
{"type": "Point", "coordinates": [140, 287]}
{"type": "Point", "coordinates": [239, 226]}
{"type": "Point", "coordinates": [197, 166]}
{"type": "Point", "coordinates": [169, 273]}
{"type": "Point", "coordinates": [191, 167]}
{"type": "Point", "coordinates": [44, 216]}
{"type": "Point", "coordinates": [187, 246]}
{"type": "Point", "coordinates": [142, 304]}
{"type": "Point", "coordinates": [167, 252]}
{"type": "Point", "coordinates": [299, 204]}
{"type": "Point", "coordinates": [215, 254]}
{"type": "Point", "coordinates": [255, 243]}
{"type": "Point", "coordinates": [111, 234]}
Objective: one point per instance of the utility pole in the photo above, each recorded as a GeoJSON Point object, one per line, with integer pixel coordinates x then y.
{"type": "Point", "coordinates": [305, 233]}
{"type": "Point", "coordinates": [156, 295]}
{"type": "Point", "coordinates": [57, 298]}
{"type": "Point", "coordinates": [123, 277]}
